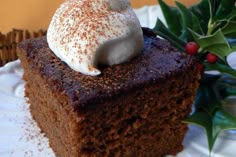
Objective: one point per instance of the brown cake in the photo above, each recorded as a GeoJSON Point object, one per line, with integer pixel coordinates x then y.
{"type": "Point", "coordinates": [134, 109]}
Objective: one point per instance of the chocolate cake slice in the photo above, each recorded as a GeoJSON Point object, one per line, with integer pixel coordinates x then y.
{"type": "Point", "coordinates": [133, 109]}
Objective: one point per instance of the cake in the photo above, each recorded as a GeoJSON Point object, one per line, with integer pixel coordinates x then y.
{"type": "Point", "coordinates": [130, 110]}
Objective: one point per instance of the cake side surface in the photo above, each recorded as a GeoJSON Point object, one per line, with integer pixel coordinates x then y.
{"type": "Point", "coordinates": [132, 109]}
{"type": "Point", "coordinates": [146, 122]}
{"type": "Point", "coordinates": [51, 112]}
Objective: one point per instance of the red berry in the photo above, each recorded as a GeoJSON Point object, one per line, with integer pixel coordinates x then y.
{"type": "Point", "coordinates": [200, 67]}
{"type": "Point", "coordinates": [211, 58]}
{"type": "Point", "coordinates": [191, 48]}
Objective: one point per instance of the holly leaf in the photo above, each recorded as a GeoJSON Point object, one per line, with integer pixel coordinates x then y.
{"type": "Point", "coordinates": [186, 17]}
{"type": "Point", "coordinates": [196, 27]}
{"type": "Point", "coordinates": [215, 43]}
{"type": "Point", "coordinates": [227, 81]}
{"type": "Point", "coordinates": [212, 122]}
{"type": "Point", "coordinates": [230, 16]}
{"type": "Point", "coordinates": [230, 92]}
{"type": "Point", "coordinates": [205, 99]}
{"type": "Point", "coordinates": [232, 43]}
{"type": "Point", "coordinates": [210, 23]}
{"type": "Point", "coordinates": [201, 10]}
{"type": "Point", "coordinates": [225, 8]}
{"type": "Point", "coordinates": [225, 69]}
{"type": "Point", "coordinates": [172, 17]}
{"type": "Point", "coordinates": [213, 125]}
{"type": "Point", "coordinates": [229, 30]}
{"type": "Point", "coordinates": [164, 32]}
{"type": "Point", "coordinates": [222, 121]}
{"type": "Point", "coordinates": [234, 47]}
{"type": "Point", "coordinates": [208, 112]}
{"type": "Point", "coordinates": [203, 120]}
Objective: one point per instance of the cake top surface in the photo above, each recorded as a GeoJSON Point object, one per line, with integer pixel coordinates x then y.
{"type": "Point", "coordinates": [157, 62]}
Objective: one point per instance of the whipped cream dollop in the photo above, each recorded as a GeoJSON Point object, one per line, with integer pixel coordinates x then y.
{"type": "Point", "coordinates": [85, 33]}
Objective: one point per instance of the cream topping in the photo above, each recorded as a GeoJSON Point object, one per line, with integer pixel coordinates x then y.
{"type": "Point", "coordinates": [83, 33]}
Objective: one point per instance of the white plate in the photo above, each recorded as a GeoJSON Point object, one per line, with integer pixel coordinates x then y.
{"type": "Point", "coordinates": [19, 134]}
{"type": "Point", "coordinates": [21, 137]}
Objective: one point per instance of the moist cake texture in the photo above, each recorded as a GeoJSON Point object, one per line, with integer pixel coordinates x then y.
{"type": "Point", "coordinates": [131, 109]}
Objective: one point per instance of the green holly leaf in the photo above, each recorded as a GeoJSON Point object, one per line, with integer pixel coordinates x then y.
{"type": "Point", "coordinates": [210, 115]}
{"type": "Point", "coordinates": [229, 92]}
{"type": "Point", "coordinates": [223, 121]}
{"type": "Point", "coordinates": [226, 85]}
{"type": "Point", "coordinates": [202, 12]}
{"type": "Point", "coordinates": [205, 99]}
{"type": "Point", "coordinates": [232, 43]}
{"type": "Point", "coordinates": [164, 32]}
{"type": "Point", "coordinates": [203, 120]}
{"type": "Point", "coordinates": [229, 30]}
{"type": "Point", "coordinates": [224, 8]}
{"type": "Point", "coordinates": [225, 69]}
{"type": "Point", "coordinates": [172, 17]}
{"type": "Point", "coordinates": [213, 124]}
{"type": "Point", "coordinates": [186, 17]}
{"type": "Point", "coordinates": [210, 23]}
{"type": "Point", "coordinates": [230, 16]}
{"type": "Point", "coordinates": [215, 43]}
{"type": "Point", "coordinates": [196, 27]}
{"type": "Point", "coordinates": [234, 47]}
{"type": "Point", "coordinates": [227, 81]}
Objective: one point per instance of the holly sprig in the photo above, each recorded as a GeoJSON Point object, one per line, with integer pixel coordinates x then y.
{"type": "Point", "coordinates": [208, 31]}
